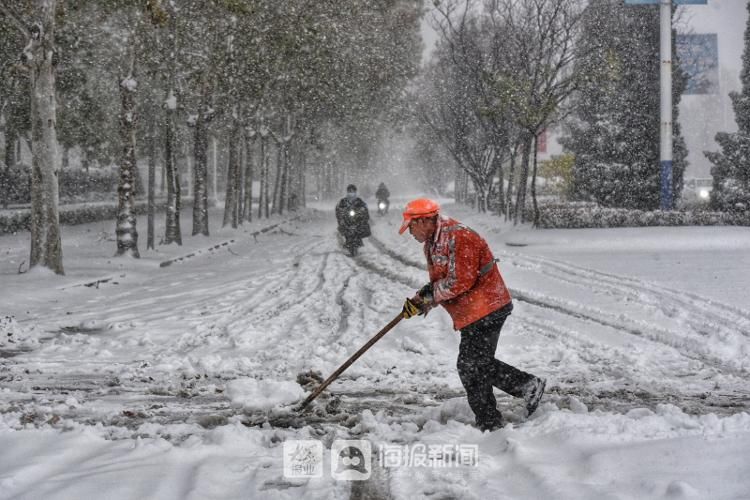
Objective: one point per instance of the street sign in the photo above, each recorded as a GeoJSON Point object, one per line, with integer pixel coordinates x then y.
{"type": "Point", "coordinates": [656, 2]}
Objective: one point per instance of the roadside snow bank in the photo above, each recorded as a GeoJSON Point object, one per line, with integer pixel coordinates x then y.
{"type": "Point", "coordinates": [230, 462]}
{"type": "Point", "coordinates": [664, 453]}
{"type": "Point", "coordinates": [253, 394]}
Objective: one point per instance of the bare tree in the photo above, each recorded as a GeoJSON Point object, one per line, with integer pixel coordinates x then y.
{"type": "Point", "coordinates": [38, 58]}
{"type": "Point", "coordinates": [537, 39]}
{"type": "Point", "coordinates": [127, 235]}
{"type": "Point", "coordinates": [234, 178]}
{"type": "Point", "coordinates": [456, 111]}
{"type": "Point", "coordinates": [200, 152]}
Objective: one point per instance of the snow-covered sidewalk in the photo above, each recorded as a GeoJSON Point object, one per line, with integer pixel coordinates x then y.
{"type": "Point", "coordinates": [151, 382]}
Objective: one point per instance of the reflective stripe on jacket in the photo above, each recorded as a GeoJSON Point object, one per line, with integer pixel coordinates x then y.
{"type": "Point", "coordinates": [464, 277]}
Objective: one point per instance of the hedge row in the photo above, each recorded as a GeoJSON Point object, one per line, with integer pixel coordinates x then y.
{"type": "Point", "coordinates": [575, 217]}
{"type": "Point", "coordinates": [12, 221]}
{"type": "Point", "coordinates": [15, 183]}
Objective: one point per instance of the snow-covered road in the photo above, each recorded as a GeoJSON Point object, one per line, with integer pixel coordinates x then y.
{"type": "Point", "coordinates": [171, 372]}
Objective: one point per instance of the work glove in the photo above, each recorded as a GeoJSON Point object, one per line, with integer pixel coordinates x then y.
{"type": "Point", "coordinates": [411, 309]}
{"type": "Point", "coordinates": [426, 294]}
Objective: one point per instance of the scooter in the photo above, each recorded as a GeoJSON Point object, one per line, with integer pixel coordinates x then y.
{"type": "Point", "coordinates": [383, 207]}
{"type": "Point", "coordinates": [352, 241]}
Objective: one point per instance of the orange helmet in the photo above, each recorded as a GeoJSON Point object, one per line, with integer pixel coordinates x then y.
{"type": "Point", "coordinates": [416, 209]}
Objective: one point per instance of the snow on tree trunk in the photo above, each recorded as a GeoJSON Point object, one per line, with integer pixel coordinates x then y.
{"type": "Point", "coordinates": [283, 176]}
{"type": "Point", "coordinates": [127, 236]}
{"type": "Point", "coordinates": [509, 193]}
{"type": "Point", "coordinates": [46, 246]}
{"type": "Point", "coordinates": [151, 184]}
{"type": "Point", "coordinates": [277, 178]}
{"type": "Point", "coordinates": [523, 180]}
{"type": "Point", "coordinates": [242, 160]}
{"type": "Point", "coordinates": [533, 184]}
{"type": "Point", "coordinates": [233, 174]}
{"type": "Point", "coordinates": [300, 188]}
{"type": "Point", "coordinates": [200, 172]}
{"type": "Point", "coordinates": [500, 186]}
{"type": "Point", "coordinates": [248, 205]}
{"type": "Point", "coordinates": [173, 233]}
{"type": "Point", "coordinates": [10, 145]}
{"type": "Point", "coordinates": [263, 202]}
{"type": "Point", "coordinates": [262, 171]}
{"type": "Point", "coordinates": [214, 171]}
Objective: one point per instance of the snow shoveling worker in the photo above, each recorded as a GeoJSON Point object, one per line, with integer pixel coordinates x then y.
{"type": "Point", "coordinates": [465, 280]}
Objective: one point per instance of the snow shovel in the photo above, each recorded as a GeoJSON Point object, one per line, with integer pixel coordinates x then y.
{"type": "Point", "coordinates": [349, 361]}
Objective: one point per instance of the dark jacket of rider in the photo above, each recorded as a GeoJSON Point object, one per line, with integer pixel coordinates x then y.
{"type": "Point", "coordinates": [358, 224]}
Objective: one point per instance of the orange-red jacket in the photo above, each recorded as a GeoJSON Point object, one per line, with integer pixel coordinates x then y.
{"type": "Point", "coordinates": [463, 273]}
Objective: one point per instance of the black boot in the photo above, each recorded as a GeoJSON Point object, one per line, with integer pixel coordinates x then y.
{"type": "Point", "coordinates": [532, 394]}
{"type": "Point", "coordinates": [490, 425]}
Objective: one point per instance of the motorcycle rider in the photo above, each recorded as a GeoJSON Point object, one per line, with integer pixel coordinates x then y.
{"type": "Point", "coordinates": [382, 195]}
{"type": "Point", "coordinates": [353, 219]}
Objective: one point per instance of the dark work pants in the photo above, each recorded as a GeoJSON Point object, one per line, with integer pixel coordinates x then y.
{"type": "Point", "coordinates": [480, 371]}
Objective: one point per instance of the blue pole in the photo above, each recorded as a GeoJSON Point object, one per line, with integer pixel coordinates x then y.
{"type": "Point", "coordinates": [665, 143]}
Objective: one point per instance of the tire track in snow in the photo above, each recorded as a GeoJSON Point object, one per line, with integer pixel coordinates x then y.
{"type": "Point", "coordinates": [689, 348]}
{"type": "Point", "coordinates": [665, 299]}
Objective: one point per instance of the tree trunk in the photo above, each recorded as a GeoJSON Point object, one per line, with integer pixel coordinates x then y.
{"type": "Point", "coordinates": [151, 184]}
{"type": "Point", "coordinates": [127, 236]}
{"type": "Point", "coordinates": [85, 161]}
{"type": "Point", "coordinates": [46, 246]}
{"type": "Point", "coordinates": [172, 233]}
{"type": "Point", "coordinates": [190, 176]}
{"type": "Point", "coordinates": [248, 206]}
{"type": "Point", "coordinates": [533, 185]}
{"type": "Point", "coordinates": [285, 178]}
{"type": "Point", "coordinates": [511, 173]}
{"type": "Point", "coordinates": [275, 200]}
{"type": "Point", "coordinates": [240, 176]}
{"type": "Point", "coordinates": [163, 176]}
{"type": "Point", "coordinates": [65, 158]}
{"type": "Point", "coordinates": [231, 200]}
{"type": "Point", "coordinates": [523, 180]}
{"type": "Point", "coordinates": [500, 187]}
{"type": "Point", "coordinates": [263, 159]}
{"type": "Point", "coordinates": [263, 202]}
{"type": "Point", "coordinates": [10, 146]}
{"type": "Point", "coordinates": [302, 186]}
{"type": "Point", "coordinates": [215, 167]}
{"type": "Point", "coordinates": [138, 188]}
{"type": "Point", "coordinates": [267, 167]}
{"type": "Point", "coordinates": [200, 172]}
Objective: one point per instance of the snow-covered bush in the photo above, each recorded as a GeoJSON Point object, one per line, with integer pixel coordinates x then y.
{"type": "Point", "coordinates": [74, 185]}
{"type": "Point", "coordinates": [12, 221]}
{"type": "Point", "coordinates": [592, 216]}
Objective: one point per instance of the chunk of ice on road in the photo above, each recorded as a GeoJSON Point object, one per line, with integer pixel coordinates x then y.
{"type": "Point", "coordinates": [254, 394]}
{"type": "Point", "coordinates": [14, 335]}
